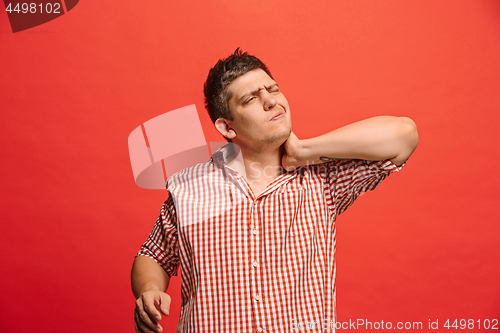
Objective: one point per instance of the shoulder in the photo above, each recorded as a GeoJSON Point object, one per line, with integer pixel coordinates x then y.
{"type": "Point", "coordinates": [188, 175]}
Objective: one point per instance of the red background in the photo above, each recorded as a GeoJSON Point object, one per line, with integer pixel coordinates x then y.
{"type": "Point", "coordinates": [423, 246]}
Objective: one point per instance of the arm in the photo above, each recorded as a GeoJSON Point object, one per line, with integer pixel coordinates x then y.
{"type": "Point", "coordinates": [148, 275]}
{"type": "Point", "coordinates": [149, 283]}
{"type": "Point", "coordinates": [377, 138]}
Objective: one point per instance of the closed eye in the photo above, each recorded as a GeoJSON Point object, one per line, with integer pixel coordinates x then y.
{"type": "Point", "coordinates": [249, 100]}
{"type": "Point", "coordinates": [273, 89]}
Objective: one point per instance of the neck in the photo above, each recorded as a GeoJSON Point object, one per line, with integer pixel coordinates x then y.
{"type": "Point", "coordinates": [260, 167]}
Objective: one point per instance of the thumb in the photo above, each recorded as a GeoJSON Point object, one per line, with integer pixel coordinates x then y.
{"type": "Point", "coordinates": [285, 163]}
{"type": "Point", "coordinates": [165, 304]}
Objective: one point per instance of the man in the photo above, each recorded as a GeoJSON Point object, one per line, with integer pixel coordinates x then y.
{"type": "Point", "coordinates": [253, 229]}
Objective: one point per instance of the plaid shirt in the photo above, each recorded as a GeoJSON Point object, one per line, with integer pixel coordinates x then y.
{"type": "Point", "coordinates": [257, 264]}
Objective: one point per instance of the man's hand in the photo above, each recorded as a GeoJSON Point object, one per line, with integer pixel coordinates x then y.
{"type": "Point", "coordinates": [148, 309]}
{"type": "Point", "coordinates": [149, 282]}
{"type": "Point", "coordinates": [290, 160]}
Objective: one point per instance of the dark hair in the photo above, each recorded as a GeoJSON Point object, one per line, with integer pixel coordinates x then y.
{"type": "Point", "coordinates": [221, 76]}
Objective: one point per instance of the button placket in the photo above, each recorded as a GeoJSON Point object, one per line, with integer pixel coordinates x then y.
{"type": "Point", "coordinates": [255, 269]}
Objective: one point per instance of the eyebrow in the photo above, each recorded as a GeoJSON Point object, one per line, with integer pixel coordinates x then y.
{"type": "Point", "coordinates": [255, 91]}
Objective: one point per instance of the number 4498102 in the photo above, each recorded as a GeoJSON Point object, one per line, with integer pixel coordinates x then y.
{"type": "Point", "coordinates": [471, 324]}
{"type": "Point", "coordinates": [34, 8]}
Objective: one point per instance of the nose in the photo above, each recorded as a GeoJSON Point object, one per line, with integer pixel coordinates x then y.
{"type": "Point", "coordinates": [269, 101]}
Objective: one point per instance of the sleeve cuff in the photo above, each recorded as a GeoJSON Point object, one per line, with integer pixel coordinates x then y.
{"type": "Point", "coordinates": [387, 165]}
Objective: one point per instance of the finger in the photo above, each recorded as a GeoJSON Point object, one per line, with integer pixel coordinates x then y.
{"type": "Point", "coordinates": [145, 320]}
{"type": "Point", "coordinates": [140, 327]}
{"type": "Point", "coordinates": [146, 328]}
{"type": "Point", "coordinates": [164, 306]}
{"type": "Point", "coordinates": [287, 165]}
{"type": "Point", "coordinates": [150, 308]}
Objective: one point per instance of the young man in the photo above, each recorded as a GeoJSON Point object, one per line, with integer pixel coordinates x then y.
{"type": "Point", "coordinates": [253, 229]}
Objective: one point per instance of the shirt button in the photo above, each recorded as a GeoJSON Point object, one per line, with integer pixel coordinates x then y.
{"type": "Point", "coordinates": [238, 176]}
{"type": "Point", "coordinates": [255, 264]}
{"type": "Point", "coordinates": [254, 231]}
{"type": "Point", "coordinates": [257, 297]}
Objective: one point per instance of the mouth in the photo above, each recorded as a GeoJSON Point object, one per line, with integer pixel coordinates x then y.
{"type": "Point", "coordinates": [279, 115]}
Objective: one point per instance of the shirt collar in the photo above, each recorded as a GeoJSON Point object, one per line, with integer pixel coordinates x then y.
{"type": "Point", "coordinates": [219, 157]}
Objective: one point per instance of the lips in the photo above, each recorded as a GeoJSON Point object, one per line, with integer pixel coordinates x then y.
{"type": "Point", "coordinates": [277, 116]}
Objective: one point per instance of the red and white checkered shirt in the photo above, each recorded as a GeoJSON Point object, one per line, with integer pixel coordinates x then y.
{"type": "Point", "coordinates": [257, 264]}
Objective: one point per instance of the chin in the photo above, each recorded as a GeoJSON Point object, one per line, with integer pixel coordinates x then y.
{"type": "Point", "coordinates": [279, 137]}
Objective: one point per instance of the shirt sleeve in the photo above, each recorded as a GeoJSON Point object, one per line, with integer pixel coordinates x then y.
{"type": "Point", "coordinates": [347, 179]}
{"type": "Point", "coordinates": [162, 244]}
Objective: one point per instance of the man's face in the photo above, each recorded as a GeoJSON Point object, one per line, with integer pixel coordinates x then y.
{"type": "Point", "coordinates": [261, 115]}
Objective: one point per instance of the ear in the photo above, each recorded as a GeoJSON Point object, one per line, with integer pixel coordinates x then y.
{"type": "Point", "coordinates": [224, 128]}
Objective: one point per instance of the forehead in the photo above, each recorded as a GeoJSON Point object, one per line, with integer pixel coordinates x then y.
{"type": "Point", "coordinates": [248, 82]}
